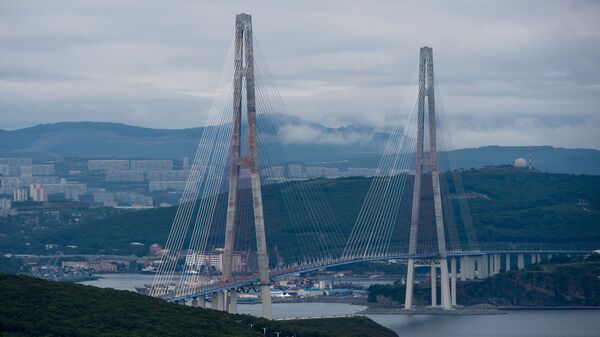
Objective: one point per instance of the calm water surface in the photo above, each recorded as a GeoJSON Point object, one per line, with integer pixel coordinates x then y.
{"type": "Point", "coordinates": [525, 323]}
{"type": "Point", "coordinates": [521, 323]}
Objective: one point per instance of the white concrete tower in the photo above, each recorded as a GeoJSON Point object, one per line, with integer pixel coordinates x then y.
{"type": "Point", "coordinates": [244, 69]}
{"type": "Point", "coordinates": [426, 89]}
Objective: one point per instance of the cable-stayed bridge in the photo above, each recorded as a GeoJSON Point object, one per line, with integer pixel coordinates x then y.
{"type": "Point", "coordinates": [246, 209]}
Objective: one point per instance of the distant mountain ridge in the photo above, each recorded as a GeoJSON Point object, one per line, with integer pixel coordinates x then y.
{"type": "Point", "coordinates": [100, 139]}
{"type": "Point", "coordinates": [353, 145]}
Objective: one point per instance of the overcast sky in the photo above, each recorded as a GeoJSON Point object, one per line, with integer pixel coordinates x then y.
{"type": "Point", "coordinates": [510, 72]}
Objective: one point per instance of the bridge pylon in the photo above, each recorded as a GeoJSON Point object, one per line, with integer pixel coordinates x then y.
{"type": "Point", "coordinates": [426, 90]}
{"type": "Point", "coordinates": [244, 70]}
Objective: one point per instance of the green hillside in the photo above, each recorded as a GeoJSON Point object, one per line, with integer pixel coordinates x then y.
{"type": "Point", "coordinates": [524, 207]}
{"type": "Point", "coordinates": [33, 307]}
{"type": "Point", "coordinates": [559, 282]}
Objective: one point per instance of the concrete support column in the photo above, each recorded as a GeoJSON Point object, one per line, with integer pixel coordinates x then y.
{"type": "Point", "coordinates": [446, 302]}
{"type": "Point", "coordinates": [265, 297]}
{"type": "Point", "coordinates": [225, 302]}
{"type": "Point", "coordinates": [538, 258]}
{"type": "Point", "coordinates": [497, 263]}
{"type": "Point", "coordinates": [484, 266]}
{"type": "Point", "coordinates": [433, 286]}
{"type": "Point", "coordinates": [233, 302]}
{"type": "Point", "coordinates": [491, 264]}
{"type": "Point", "coordinates": [533, 257]}
{"type": "Point", "coordinates": [410, 276]}
{"type": "Point", "coordinates": [469, 267]}
{"type": "Point", "coordinates": [453, 280]}
{"type": "Point", "coordinates": [217, 301]}
{"type": "Point", "coordinates": [463, 268]}
{"type": "Point", "coordinates": [521, 261]}
{"type": "Point", "coordinates": [199, 302]}
{"type": "Point", "coordinates": [549, 256]}
{"type": "Point", "coordinates": [507, 267]}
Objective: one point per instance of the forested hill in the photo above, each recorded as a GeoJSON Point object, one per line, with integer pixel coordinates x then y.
{"type": "Point", "coordinates": [559, 282]}
{"type": "Point", "coordinates": [34, 307]}
{"type": "Point", "coordinates": [522, 206]}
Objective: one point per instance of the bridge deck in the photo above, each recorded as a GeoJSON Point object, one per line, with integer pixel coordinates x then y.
{"type": "Point", "coordinates": [300, 269]}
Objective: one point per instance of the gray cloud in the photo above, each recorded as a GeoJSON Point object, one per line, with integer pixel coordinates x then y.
{"type": "Point", "coordinates": [510, 72]}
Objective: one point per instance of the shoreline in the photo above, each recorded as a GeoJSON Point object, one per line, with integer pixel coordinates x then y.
{"type": "Point", "coordinates": [579, 307]}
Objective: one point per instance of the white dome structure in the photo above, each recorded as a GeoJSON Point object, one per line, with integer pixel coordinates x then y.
{"type": "Point", "coordinates": [520, 163]}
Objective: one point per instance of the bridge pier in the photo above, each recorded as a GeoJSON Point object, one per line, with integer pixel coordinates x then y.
{"type": "Point", "coordinates": [483, 264]}
{"type": "Point", "coordinates": [410, 278]}
{"type": "Point", "coordinates": [520, 261]}
{"type": "Point", "coordinates": [433, 276]}
{"type": "Point", "coordinates": [198, 302]}
{"type": "Point", "coordinates": [463, 268]}
{"type": "Point", "coordinates": [533, 258]}
{"type": "Point", "coordinates": [265, 297]}
{"type": "Point", "coordinates": [217, 300]}
{"type": "Point", "coordinates": [233, 302]}
{"type": "Point", "coordinates": [507, 267]}
{"type": "Point", "coordinates": [499, 263]}
{"type": "Point", "coordinates": [467, 267]}
{"type": "Point", "coordinates": [453, 281]}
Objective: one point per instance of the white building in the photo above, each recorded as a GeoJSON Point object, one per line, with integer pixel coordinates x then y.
{"type": "Point", "coordinates": [25, 171]}
{"type": "Point", "coordinates": [151, 165]}
{"type": "Point", "coordinates": [362, 171]}
{"type": "Point", "coordinates": [20, 194]}
{"type": "Point", "coordinates": [213, 259]}
{"type": "Point", "coordinates": [168, 175]}
{"type": "Point", "coordinates": [295, 171]}
{"type": "Point", "coordinates": [155, 186]}
{"type": "Point", "coordinates": [27, 181]}
{"type": "Point", "coordinates": [186, 163]}
{"type": "Point", "coordinates": [133, 198]}
{"type": "Point", "coordinates": [71, 191]}
{"type": "Point", "coordinates": [4, 169]}
{"type": "Point", "coordinates": [122, 175]}
{"type": "Point", "coordinates": [276, 172]}
{"type": "Point", "coordinates": [108, 164]}
{"type": "Point", "coordinates": [5, 207]}
{"type": "Point", "coordinates": [38, 193]}
{"type": "Point", "coordinates": [321, 172]}
{"type": "Point", "coordinates": [42, 169]}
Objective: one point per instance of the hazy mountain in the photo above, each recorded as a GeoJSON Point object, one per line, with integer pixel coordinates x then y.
{"type": "Point", "coordinates": [302, 141]}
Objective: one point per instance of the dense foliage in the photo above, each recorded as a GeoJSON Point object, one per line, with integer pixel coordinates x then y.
{"type": "Point", "coordinates": [554, 283]}
{"type": "Point", "coordinates": [33, 307]}
{"type": "Point", "coordinates": [10, 265]}
{"type": "Point", "coordinates": [523, 207]}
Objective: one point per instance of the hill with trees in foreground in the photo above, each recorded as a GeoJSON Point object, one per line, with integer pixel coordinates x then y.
{"type": "Point", "coordinates": [559, 282]}
{"type": "Point", "coordinates": [520, 207]}
{"type": "Point", "coordinates": [34, 307]}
